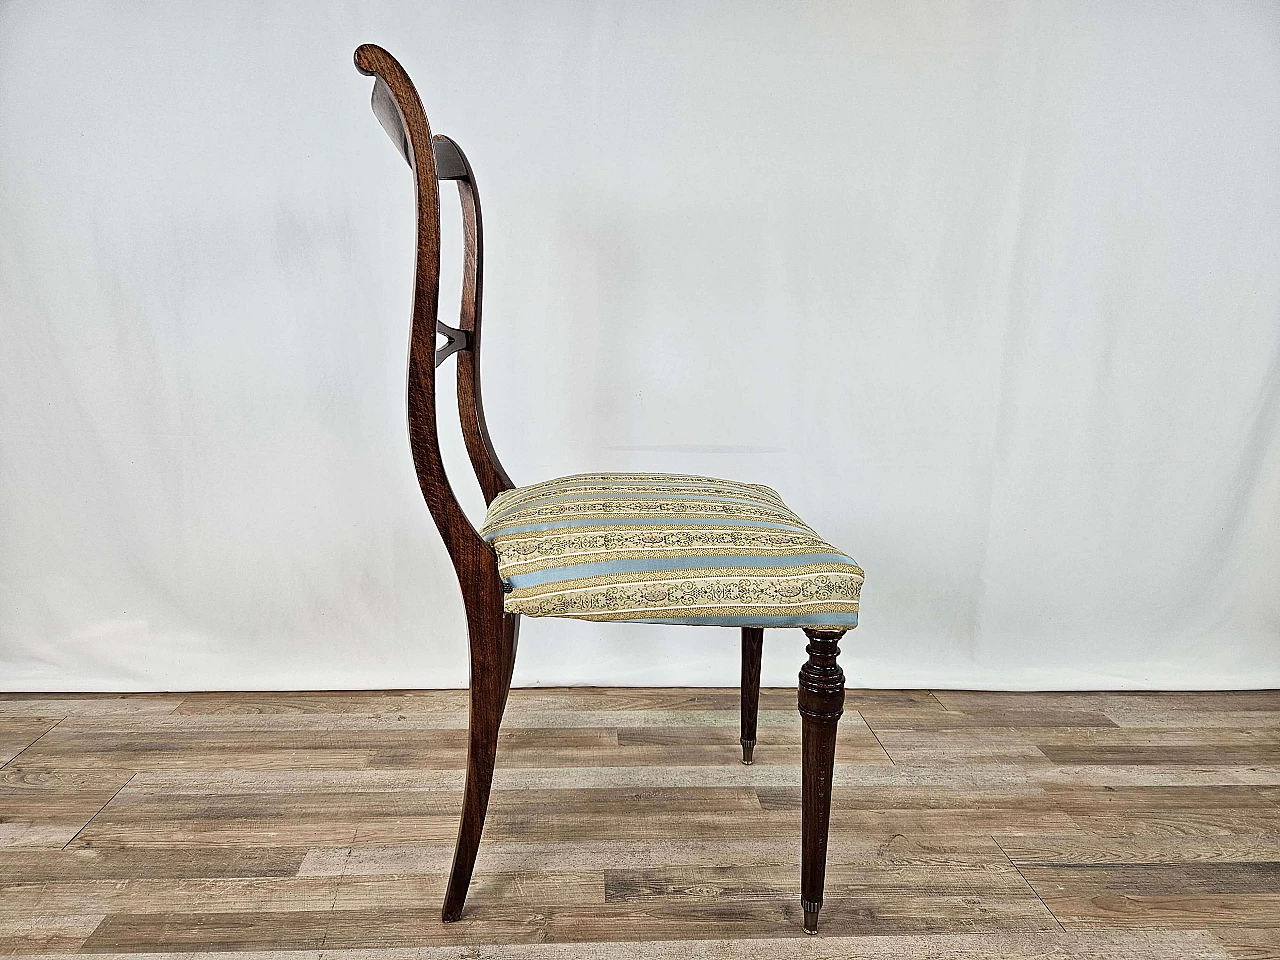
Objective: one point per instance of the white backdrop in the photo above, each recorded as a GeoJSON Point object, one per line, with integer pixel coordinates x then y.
{"type": "Point", "coordinates": [989, 291]}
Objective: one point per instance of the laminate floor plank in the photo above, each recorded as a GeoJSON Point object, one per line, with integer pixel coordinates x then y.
{"type": "Point", "coordinates": [989, 881]}
{"type": "Point", "coordinates": [534, 890]}
{"type": "Point", "coordinates": [939, 719]}
{"type": "Point", "coordinates": [967, 745]}
{"type": "Point", "coordinates": [1156, 879]}
{"type": "Point", "coordinates": [1110, 702]}
{"type": "Point", "coordinates": [154, 895]}
{"type": "Point", "coordinates": [182, 932]}
{"type": "Point", "coordinates": [88, 862]}
{"type": "Point", "coordinates": [1088, 801]}
{"type": "Point", "coordinates": [1209, 754]}
{"type": "Point", "coordinates": [1138, 843]}
{"type": "Point", "coordinates": [1194, 910]}
{"type": "Point", "coordinates": [86, 746]}
{"type": "Point", "coordinates": [86, 704]}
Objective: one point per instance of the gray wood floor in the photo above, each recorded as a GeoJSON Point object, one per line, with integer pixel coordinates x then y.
{"type": "Point", "coordinates": [623, 825]}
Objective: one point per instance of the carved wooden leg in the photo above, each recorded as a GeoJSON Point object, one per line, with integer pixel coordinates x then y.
{"type": "Point", "coordinates": [752, 644]}
{"type": "Point", "coordinates": [821, 703]}
{"type": "Point", "coordinates": [493, 654]}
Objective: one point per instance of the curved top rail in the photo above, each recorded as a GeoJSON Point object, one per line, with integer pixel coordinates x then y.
{"type": "Point", "coordinates": [450, 163]}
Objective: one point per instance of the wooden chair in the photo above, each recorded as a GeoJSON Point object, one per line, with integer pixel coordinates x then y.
{"type": "Point", "coordinates": [640, 547]}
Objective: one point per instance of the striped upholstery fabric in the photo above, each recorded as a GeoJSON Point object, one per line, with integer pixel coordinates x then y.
{"type": "Point", "coordinates": [660, 548]}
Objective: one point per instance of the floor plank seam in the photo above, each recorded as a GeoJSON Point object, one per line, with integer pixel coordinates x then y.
{"type": "Point", "coordinates": [876, 737]}
{"type": "Point", "coordinates": [1034, 892]}
{"type": "Point", "coordinates": [337, 888]}
{"type": "Point", "coordinates": [96, 927]}
{"type": "Point", "coordinates": [31, 744]}
{"type": "Point", "coordinates": [99, 810]}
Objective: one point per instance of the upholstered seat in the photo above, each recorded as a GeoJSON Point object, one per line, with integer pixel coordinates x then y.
{"type": "Point", "coordinates": [664, 548]}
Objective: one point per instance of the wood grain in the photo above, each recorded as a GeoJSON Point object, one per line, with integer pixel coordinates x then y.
{"type": "Point", "coordinates": [625, 825]}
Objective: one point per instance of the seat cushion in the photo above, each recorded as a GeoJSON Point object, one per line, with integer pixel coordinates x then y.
{"type": "Point", "coordinates": [661, 548]}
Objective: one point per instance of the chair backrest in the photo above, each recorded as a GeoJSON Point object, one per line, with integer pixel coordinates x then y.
{"type": "Point", "coordinates": [397, 107]}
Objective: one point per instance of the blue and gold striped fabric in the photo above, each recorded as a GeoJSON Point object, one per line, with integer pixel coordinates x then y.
{"type": "Point", "coordinates": [661, 548]}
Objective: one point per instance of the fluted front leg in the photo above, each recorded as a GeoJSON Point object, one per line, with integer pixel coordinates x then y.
{"type": "Point", "coordinates": [821, 700]}
{"type": "Point", "coordinates": [752, 646]}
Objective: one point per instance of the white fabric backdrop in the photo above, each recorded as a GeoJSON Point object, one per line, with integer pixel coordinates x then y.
{"type": "Point", "coordinates": [989, 291]}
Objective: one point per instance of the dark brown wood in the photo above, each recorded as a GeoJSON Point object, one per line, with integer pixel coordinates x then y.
{"type": "Point", "coordinates": [752, 646]}
{"type": "Point", "coordinates": [492, 633]}
{"type": "Point", "coordinates": [490, 683]}
{"type": "Point", "coordinates": [821, 701]}
{"type": "Point", "coordinates": [451, 163]}
{"type": "Point", "coordinates": [484, 460]}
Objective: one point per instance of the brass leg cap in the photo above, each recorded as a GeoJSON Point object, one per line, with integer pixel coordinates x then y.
{"type": "Point", "coordinates": [811, 922]}
{"type": "Point", "coordinates": [748, 748]}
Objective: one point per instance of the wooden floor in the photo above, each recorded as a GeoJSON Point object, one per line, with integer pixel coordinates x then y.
{"type": "Point", "coordinates": [966, 825]}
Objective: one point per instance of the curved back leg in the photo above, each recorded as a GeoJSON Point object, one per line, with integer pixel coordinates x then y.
{"type": "Point", "coordinates": [493, 657]}
{"type": "Point", "coordinates": [491, 632]}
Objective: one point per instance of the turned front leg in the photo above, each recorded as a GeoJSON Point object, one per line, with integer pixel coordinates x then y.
{"type": "Point", "coordinates": [821, 699]}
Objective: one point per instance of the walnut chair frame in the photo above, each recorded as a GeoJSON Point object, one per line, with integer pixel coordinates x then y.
{"type": "Point", "coordinates": [492, 632]}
